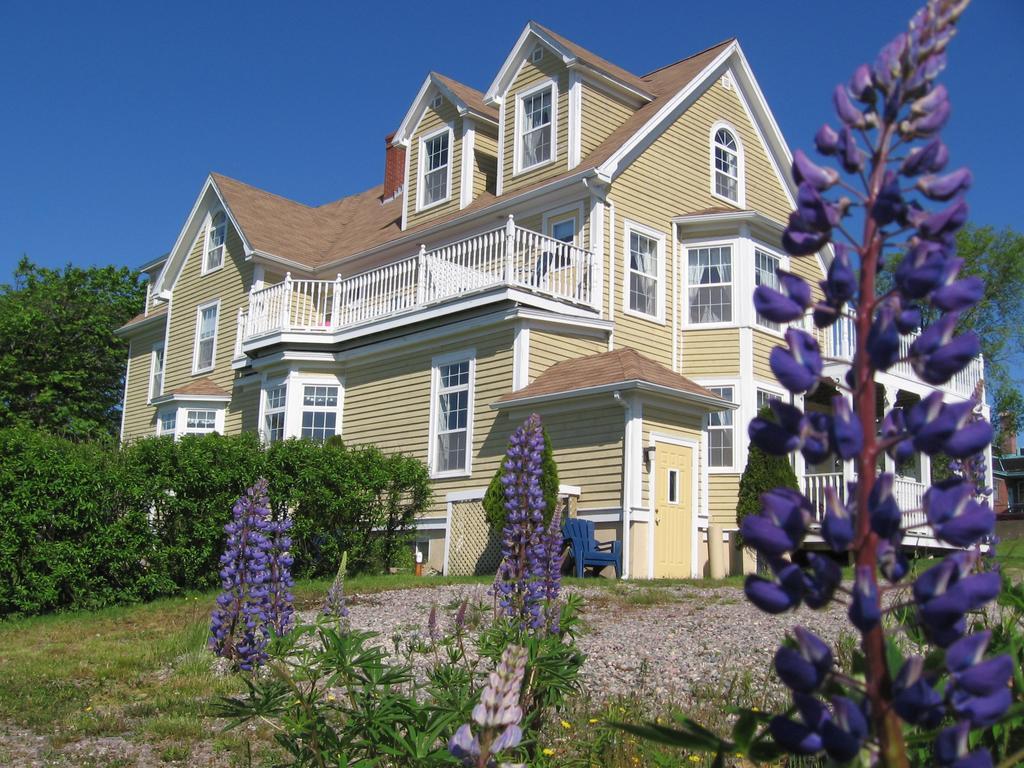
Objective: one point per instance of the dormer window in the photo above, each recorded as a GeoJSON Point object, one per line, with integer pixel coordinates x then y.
{"type": "Point", "coordinates": [435, 168]}
{"type": "Point", "coordinates": [536, 120]}
{"type": "Point", "coordinates": [215, 236]}
{"type": "Point", "coordinates": [726, 182]}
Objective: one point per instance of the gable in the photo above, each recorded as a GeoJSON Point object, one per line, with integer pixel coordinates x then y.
{"type": "Point", "coordinates": [436, 118]}
{"type": "Point", "coordinates": [532, 75]}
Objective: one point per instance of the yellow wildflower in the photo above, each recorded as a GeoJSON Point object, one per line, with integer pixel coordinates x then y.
{"type": "Point", "coordinates": [593, 720]}
{"type": "Point", "coordinates": [566, 724]}
{"type": "Point", "coordinates": [548, 751]}
{"type": "Point", "coordinates": [694, 758]}
{"type": "Point", "coordinates": [88, 709]}
{"type": "Point", "coordinates": [331, 697]}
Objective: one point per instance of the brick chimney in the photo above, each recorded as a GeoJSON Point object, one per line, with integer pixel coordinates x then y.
{"type": "Point", "coordinates": [1009, 446]}
{"type": "Point", "coordinates": [394, 168]}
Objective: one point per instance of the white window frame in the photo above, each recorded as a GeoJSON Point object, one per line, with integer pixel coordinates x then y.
{"type": "Point", "coordinates": [628, 228]}
{"type": "Point", "coordinates": [741, 196]}
{"type": "Point", "coordinates": [183, 416]}
{"type": "Point", "coordinates": [574, 212]}
{"type": "Point", "coordinates": [268, 410]}
{"type": "Point", "coordinates": [730, 469]}
{"type": "Point", "coordinates": [207, 250]}
{"type": "Point", "coordinates": [156, 356]}
{"type": "Point", "coordinates": [421, 205]}
{"type": "Point", "coordinates": [783, 261]}
{"type": "Point", "coordinates": [298, 387]}
{"type": "Point", "coordinates": [517, 152]}
{"type": "Point", "coordinates": [161, 428]}
{"type": "Point", "coordinates": [195, 343]}
{"type": "Point", "coordinates": [735, 250]}
{"type": "Point", "coordinates": [465, 355]}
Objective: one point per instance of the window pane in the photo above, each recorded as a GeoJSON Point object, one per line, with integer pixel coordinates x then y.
{"type": "Point", "coordinates": [536, 128]}
{"type": "Point", "coordinates": [766, 269]}
{"type": "Point", "coordinates": [205, 359]}
{"type": "Point", "coordinates": [720, 432]}
{"type": "Point", "coordinates": [710, 278]}
{"type": "Point", "coordinates": [564, 230]}
{"type": "Point", "coordinates": [451, 426]}
{"type": "Point", "coordinates": [435, 176]}
{"type": "Point", "coordinates": [726, 165]}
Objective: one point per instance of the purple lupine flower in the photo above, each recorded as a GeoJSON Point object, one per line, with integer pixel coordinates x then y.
{"type": "Point", "coordinates": [799, 367]}
{"type": "Point", "coordinates": [524, 584]}
{"type": "Point", "coordinates": [256, 579]}
{"type": "Point", "coordinates": [896, 101]}
{"type": "Point", "coordinates": [805, 667]}
{"type": "Point", "coordinates": [952, 750]}
{"type": "Point", "coordinates": [915, 698]}
{"type": "Point", "coordinates": [786, 305]}
{"type": "Point", "coordinates": [334, 602]}
{"type": "Point", "coordinates": [497, 715]}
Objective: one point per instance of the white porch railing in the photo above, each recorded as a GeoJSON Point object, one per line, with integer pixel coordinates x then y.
{"type": "Point", "coordinates": [508, 256]}
{"type": "Point", "coordinates": [908, 493]}
{"type": "Point", "coordinates": [840, 341]}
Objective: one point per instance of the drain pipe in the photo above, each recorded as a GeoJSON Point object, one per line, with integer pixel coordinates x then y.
{"type": "Point", "coordinates": [627, 480]}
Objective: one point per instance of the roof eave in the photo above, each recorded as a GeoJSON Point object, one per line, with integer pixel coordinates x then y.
{"type": "Point", "coordinates": [709, 404]}
{"type": "Point", "coordinates": [127, 328]}
{"type": "Point", "coordinates": [190, 398]}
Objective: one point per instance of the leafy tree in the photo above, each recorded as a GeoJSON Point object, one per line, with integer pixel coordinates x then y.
{"type": "Point", "coordinates": [762, 473]}
{"type": "Point", "coordinates": [494, 499]}
{"type": "Point", "coordinates": [61, 366]}
{"type": "Point", "coordinates": [998, 258]}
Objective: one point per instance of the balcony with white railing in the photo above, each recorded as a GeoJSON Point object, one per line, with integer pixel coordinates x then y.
{"type": "Point", "coordinates": [839, 342]}
{"type": "Point", "coordinates": [508, 257]}
{"type": "Point", "coordinates": [908, 492]}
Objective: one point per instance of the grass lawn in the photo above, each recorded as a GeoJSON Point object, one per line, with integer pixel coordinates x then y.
{"type": "Point", "coordinates": [142, 672]}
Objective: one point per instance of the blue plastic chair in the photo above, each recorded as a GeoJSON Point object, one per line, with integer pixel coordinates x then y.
{"type": "Point", "coordinates": [587, 551]}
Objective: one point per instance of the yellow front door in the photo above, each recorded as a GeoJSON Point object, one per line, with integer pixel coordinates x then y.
{"type": "Point", "coordinates": [673, 512]}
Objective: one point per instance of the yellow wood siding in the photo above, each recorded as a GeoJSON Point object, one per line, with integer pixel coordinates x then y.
{"type": "Point", "coordinates": [601, 114]}
{"type": "Point", "coordinates": [387, 404]}
{"type": "Point", "coordinates": [230, 284]}
{"type": "Point", "coordinates": [432, 120]}
{"type": "Point", "coordinates": [485, 170]}
{"type": "Point", "coordinates": [532, 74]}
{"type": "Point", "coordinates": [677, 423]}
{"type": "Point", "coordinates": [764, 343]}
{"type": "Point", "coordinates": [139, 415]}
{"type": "Point", "coordinates": [678, 165]}
{"type": "Point", "coordinates": [723, 494]}
{"type": "Point", "coordinates": [549, 347]}
{"type": "Point", "coordinates": [242, 413]}
{"type": "Point", "coordinates": [710, 353]}
{"type": "Point", "coordinates": [673, 177]}
{"type": "Point", "coordinates": [588, 449]}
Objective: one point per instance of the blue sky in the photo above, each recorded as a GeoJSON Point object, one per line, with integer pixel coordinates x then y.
{"type": "Point", "coordinates": [113, 116]}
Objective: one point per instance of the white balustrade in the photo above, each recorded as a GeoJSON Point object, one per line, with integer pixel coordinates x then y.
{"type": "Point", "coordinates": [839, 341]}
{"type": "Point", "coordinates": [908, 493]}
{"type": "Point", "coordinates": [509, 256]}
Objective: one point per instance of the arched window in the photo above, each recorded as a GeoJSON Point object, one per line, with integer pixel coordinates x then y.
{"type": "Point", "coordinates": [215, 242]}
{"type": "Point", "coordinates": [727, 165]}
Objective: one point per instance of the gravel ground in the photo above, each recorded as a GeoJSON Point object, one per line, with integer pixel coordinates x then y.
{"type": "Point", "coordinates": [671, 639]}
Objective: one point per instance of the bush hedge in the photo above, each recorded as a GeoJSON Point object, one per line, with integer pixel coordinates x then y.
{"type": "Point", "coordinates": [87, 525]}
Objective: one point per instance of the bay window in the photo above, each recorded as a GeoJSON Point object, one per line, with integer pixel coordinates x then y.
{"type": "Point", "coordinates": [709, 276]}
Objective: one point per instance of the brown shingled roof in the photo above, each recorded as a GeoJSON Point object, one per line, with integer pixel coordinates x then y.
{"type": "Point", "coordinates": [621, 366]}
{"type": "Point", "coordinates": [595, 61]}
{"type": "Point", "coordinates": [317, 236]}
{"type": "Point", "coordinates": [471, 96]}
{"type": "Point", "coordinates": [203, 386]}
{"type": "Point", "coordinates": [142, 316]}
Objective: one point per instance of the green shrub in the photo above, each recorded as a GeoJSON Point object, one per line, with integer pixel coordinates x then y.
{"type": "Point", "coordinates": [87, 525]}
{"type": "Point", "coordinates": [73, 533]}
{"type": "Point", "coordinates": [762, 473]}
{"type": "Point", "coordinates": [494, 498]}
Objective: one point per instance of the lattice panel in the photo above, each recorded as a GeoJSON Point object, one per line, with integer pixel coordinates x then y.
{"type": "Point", "coordinates": [474, 550]}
